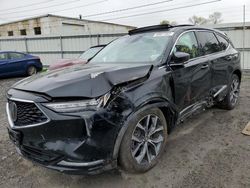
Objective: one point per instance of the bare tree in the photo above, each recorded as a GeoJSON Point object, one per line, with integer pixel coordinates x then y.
{"type": "Point", "coordinates": [163, 22]}
{"type": "Point", "coordinates": [215, 18]}
{"type": "Point", "coordinates": [198, 20]}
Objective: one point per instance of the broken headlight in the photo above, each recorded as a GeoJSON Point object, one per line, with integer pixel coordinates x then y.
{"type": "Point", "coordinates": [78, 106]}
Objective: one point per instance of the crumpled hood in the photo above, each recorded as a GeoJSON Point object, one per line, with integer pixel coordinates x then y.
{"type": "Point", "coordinates": [90, 80]}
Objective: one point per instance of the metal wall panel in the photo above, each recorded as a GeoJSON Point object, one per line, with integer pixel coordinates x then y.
{"type": "Point", "coordinates": [52, 48]}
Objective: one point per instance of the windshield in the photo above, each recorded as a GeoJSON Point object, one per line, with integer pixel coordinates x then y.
{"type": "Point", "coordinates": [90, 53]}
{"type": "Point", "coordinates": [138, 48]}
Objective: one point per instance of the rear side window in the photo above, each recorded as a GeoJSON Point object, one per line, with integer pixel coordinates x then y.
{"type": "Point", "coordinates": [223, 42]}
{"type": "Point", "coordinates": [208, 42]}
{"type": "Point", "coordinates": [187, 43]}
{"type": "Point", "coordinates": [3, 56]}
{"type": "Point", "coordinates": [16, 56]}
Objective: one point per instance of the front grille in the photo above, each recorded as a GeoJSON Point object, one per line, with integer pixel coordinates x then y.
{"type": "Point", "coordinates": [39, 155]}
{"type": "Point", "coordinates": [26, 113]}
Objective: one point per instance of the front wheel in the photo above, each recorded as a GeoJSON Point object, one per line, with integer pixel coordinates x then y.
{"type": "Point", "coordinates": [144, 140]}
{"type": "Point", "coordinates": [232, 96]}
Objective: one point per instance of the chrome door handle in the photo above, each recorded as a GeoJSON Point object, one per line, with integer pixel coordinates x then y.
{"type": "Point", "coordinates": [204, 66]}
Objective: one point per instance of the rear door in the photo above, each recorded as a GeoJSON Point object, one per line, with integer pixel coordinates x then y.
{"type": "Point", "coordinates": [215, 50]}
{"type": "Point", "coordinates": [192, 81]}
{"type": "Point", "coordinates": [3, 63]}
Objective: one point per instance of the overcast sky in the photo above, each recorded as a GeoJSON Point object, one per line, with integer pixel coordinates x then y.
{"type": "Point", "coordinates": [173, 10]}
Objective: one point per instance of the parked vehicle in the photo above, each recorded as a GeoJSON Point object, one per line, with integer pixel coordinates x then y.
{"type": "Point", "coordinates": [119, 108]}
{"type": "Point", "coordinates": [18, 64]}
{"type": "Point", "coordinates": [82, 59]}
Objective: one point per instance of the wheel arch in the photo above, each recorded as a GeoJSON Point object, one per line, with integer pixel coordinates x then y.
{"type": "Point", "coordinates": [238, 73]}
{"type": "Point", "coordinates": [169, 111]}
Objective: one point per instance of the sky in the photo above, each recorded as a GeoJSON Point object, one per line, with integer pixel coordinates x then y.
{"type": "Point", "coordinates": [129, 12]}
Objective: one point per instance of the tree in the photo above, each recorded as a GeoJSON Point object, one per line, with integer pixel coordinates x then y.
{"type": "Point", "coordinates": [215, 18]}
{"type": "Point", "coordinates": [163, 22]}
{"type": "Point", "coordinates": [198, 20]}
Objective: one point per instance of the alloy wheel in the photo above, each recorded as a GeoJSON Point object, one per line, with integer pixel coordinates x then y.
{"type": "Point", "coordinates": [147, 139]}
{"type": "Point", "coordinates": [234, 91]}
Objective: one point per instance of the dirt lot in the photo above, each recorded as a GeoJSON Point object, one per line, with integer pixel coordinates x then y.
{"type": "Point", "coordinates": [207, 150]}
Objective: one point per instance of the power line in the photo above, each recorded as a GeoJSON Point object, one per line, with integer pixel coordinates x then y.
{"type": "Point", "coordinates": [153, 12]}
{"type": "Point", "coordinates": [40, 8]}
{"type": "Point", "coordinates": [126, 9]}
{"type": "Point", "coordinates": [29, 5]}
{"type": "Point", "coordinates": [85, 5]}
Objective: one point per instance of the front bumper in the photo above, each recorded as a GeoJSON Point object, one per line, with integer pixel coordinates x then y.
{"type": "Point", "coordinates": [71, 143]}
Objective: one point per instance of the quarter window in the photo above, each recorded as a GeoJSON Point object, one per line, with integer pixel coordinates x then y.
{"type": "Point", "coordinates": [223, 42]}
{"type": "Point", "coordinates": [208, 42]}
{"type": "Point", "coordinates": [187, 43]}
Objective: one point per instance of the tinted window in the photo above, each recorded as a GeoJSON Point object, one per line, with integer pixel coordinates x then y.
{"type": "Point", "coordinates": [16, 56]}
{"type": "Point", "coordinates": [209, 43]}
{"type": "Point", "coordinates": [187, 43]}
{"type": "Point", "coordinates": [3, 56]}
{"type": "Point", "coordinates": [223, 42]}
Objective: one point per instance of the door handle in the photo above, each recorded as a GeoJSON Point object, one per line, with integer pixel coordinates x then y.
{"type": "Point", "coordinates": [204, 66]}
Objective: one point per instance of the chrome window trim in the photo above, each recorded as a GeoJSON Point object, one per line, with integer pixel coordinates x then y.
{"type": "Point", "coordinates": [80, 164]}
{"type": "Point", "coordinates": [11, 123]}
{"type": "Point", "coordinates": [204, 56]}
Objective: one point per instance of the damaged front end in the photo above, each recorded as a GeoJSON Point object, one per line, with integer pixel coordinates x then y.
{"type": "Point", "coordinates": [75, 134]}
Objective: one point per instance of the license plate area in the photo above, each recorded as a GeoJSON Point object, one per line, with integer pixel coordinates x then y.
{"type": "Point", "coordinates": [15, 137]}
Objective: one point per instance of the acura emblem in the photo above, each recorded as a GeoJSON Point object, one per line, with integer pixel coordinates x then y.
{"type": "Point", "coordinates": [13, 111]}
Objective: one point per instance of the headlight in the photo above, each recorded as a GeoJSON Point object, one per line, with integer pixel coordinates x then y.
{"type": "Point", "coordinates": [78, 106]}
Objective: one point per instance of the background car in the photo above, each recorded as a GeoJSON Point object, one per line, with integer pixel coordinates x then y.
{"type": "Point", "coordinates": [19, 64]}
{"type": "Point", "coordinates": [83, 58]}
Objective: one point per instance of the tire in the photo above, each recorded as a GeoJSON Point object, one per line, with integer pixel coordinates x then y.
{"type": "Point", "coordinates": [129, 156]}
{"type": "Point", "coordinates": [31, 70]}
{"type": "Point", "coordinates": [231, 99]}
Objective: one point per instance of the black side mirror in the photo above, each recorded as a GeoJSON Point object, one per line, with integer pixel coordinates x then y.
{"type": "Point", "coordinates": [180, 57]}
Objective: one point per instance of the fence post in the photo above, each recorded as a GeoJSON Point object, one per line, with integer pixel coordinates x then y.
{"type": "Point", "coordinates": [61, 46]}
{"type": "Point", "coordinates": [26, 45]}
{"type": "Point", "coordinates": [98, 39]}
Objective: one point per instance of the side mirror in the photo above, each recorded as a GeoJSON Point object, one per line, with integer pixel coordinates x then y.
{"type": "Point", "coordinates": [180, 57]}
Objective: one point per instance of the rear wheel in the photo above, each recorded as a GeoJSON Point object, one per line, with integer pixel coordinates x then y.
{"type": "Point", "coordinates": [232, 96]}
{"type": "Point", "coordinates": [144, 141]}
{"type": "Point", "coordinates": [31, 70]}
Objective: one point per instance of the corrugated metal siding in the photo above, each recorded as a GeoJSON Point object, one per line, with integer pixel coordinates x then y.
{"type": "Point", "coordinates": [49, 49]}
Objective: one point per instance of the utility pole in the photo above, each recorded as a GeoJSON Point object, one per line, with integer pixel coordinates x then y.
{"type": "Point", "coordinates": [244, 33]}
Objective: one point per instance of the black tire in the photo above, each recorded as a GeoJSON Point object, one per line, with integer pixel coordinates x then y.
{"type": "Point", "coordinates": [31, 70]}
{"type": "Point", "coordinates": [127, 161]}
{"type": "Point", "coordinates": [228, 102]}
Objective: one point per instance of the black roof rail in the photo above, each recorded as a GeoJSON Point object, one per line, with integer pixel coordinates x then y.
{"type": "Point", "coordinates": [155, 27]}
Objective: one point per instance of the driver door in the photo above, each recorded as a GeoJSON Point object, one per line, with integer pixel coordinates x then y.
{"type": "Point", "coordinates": [192, 79]}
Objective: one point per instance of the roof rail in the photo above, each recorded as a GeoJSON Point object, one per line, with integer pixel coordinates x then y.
{"type": "Point", "coordinates": [155, 27]}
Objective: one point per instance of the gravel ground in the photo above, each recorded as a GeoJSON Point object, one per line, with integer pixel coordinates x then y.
{"type": "Point", "coordinates": [208, 150]}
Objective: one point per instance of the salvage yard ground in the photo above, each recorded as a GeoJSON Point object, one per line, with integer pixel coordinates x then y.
{"type": "Point", "coordinates": [208, 150]}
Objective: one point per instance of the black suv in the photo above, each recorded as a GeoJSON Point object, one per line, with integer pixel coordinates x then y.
{"type": "Point", "coordinates": [118, 109]}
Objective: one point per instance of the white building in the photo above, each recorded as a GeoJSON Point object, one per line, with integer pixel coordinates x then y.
{"type": "Point", "coordinates": [59, 25]}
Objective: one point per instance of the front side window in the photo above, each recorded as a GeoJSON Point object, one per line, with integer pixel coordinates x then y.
{"type": "Point", "coordinates": [16, 56]}
{"type": "Point", "coordinates": [145, 48]}
{"type": "Point", "coordinates": [3, 56]}
{"type": "Point", "coordinates": [223, 42]}
{"type": "Point", "coordinates": [90, 53]}
{"type": "Point", "coordinates": [208, 42]}
{"type": "Point", "coordinates": [187, 43]}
